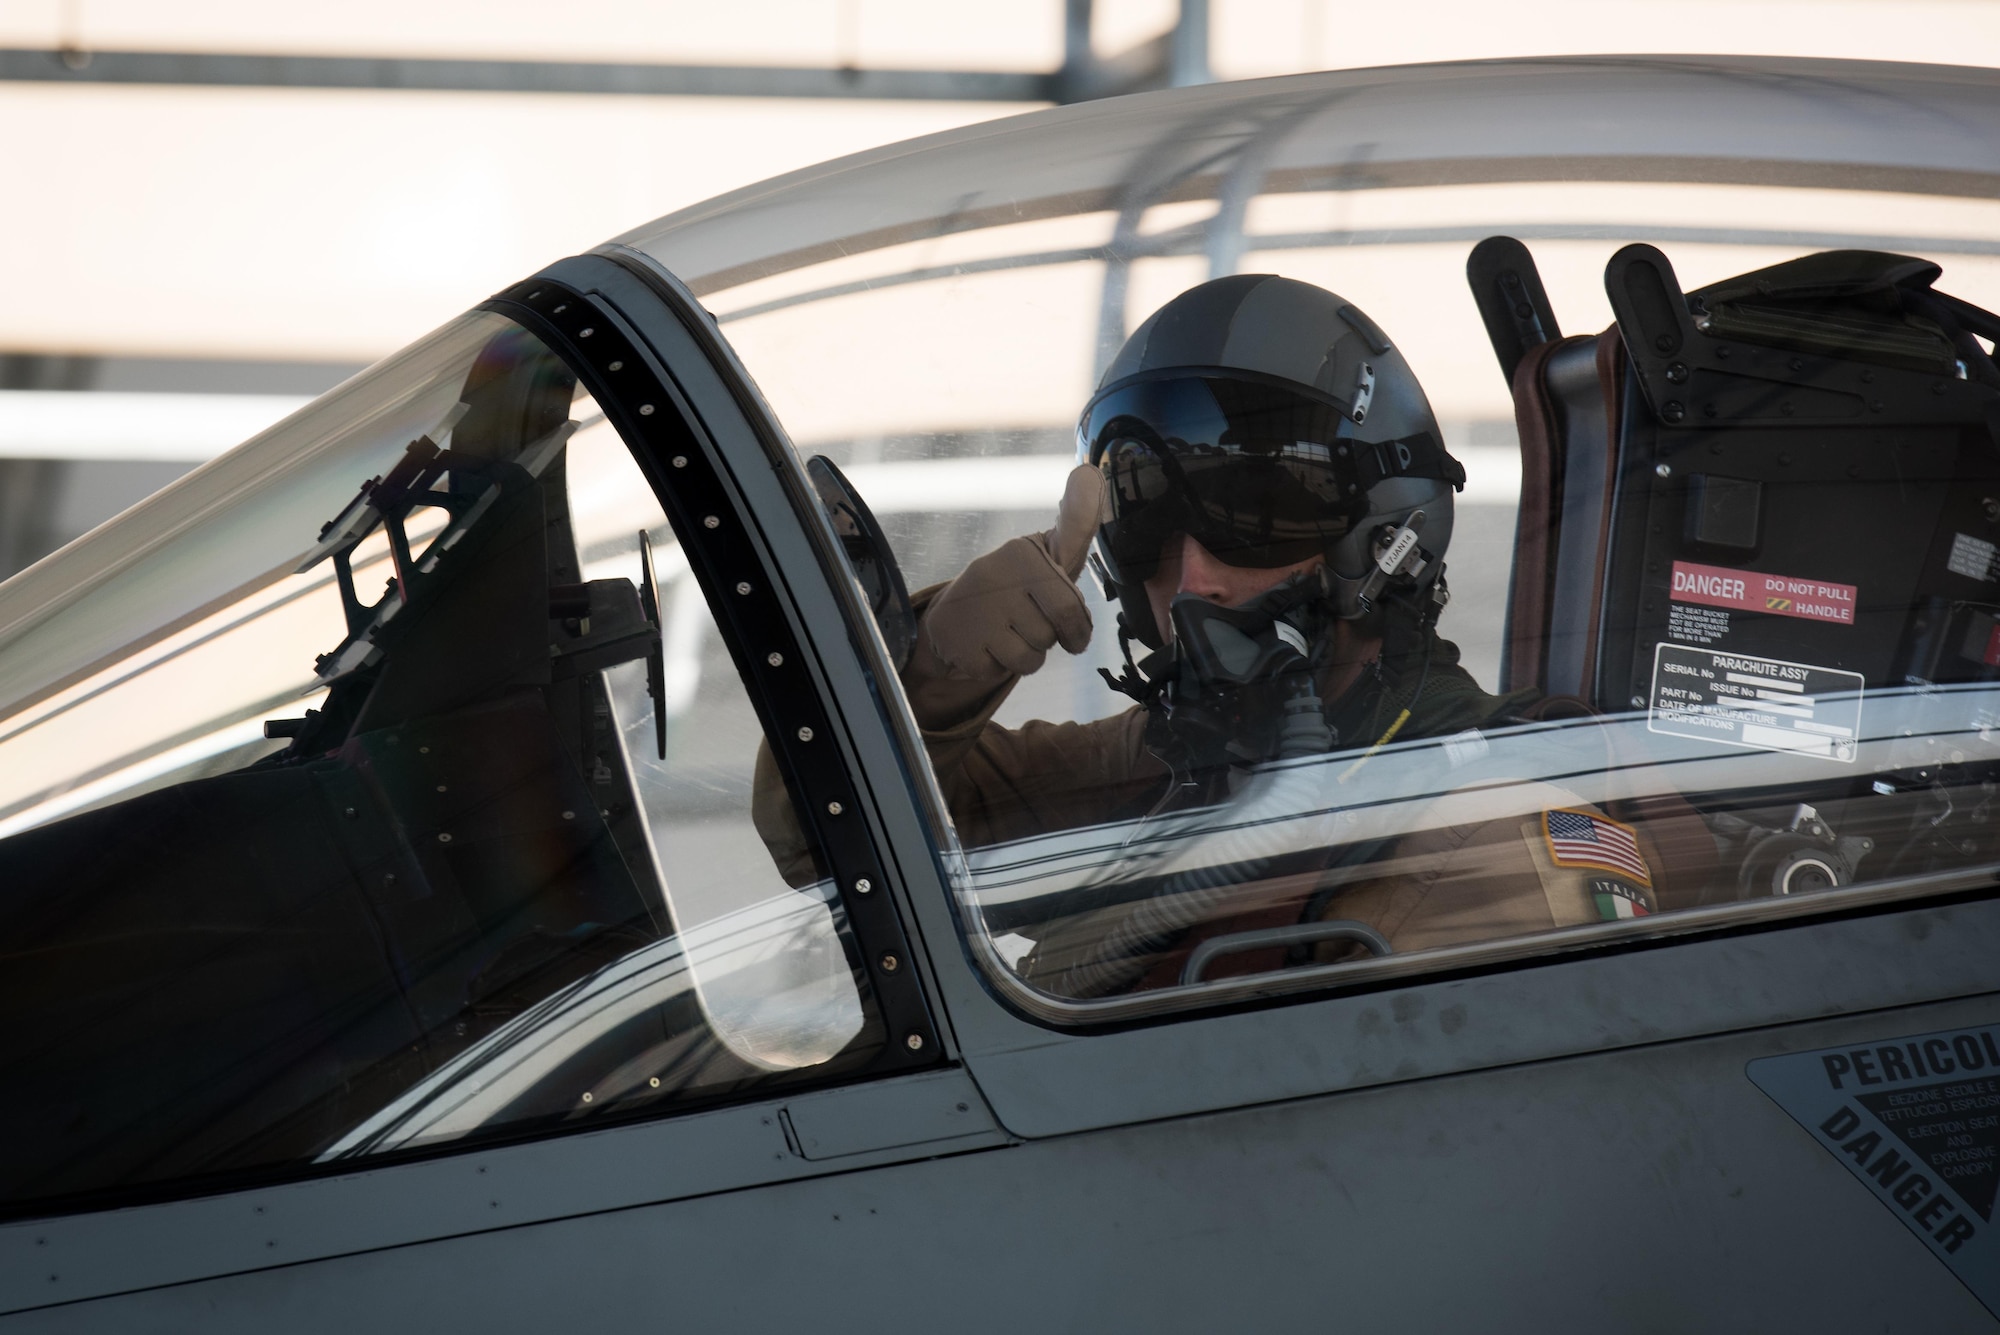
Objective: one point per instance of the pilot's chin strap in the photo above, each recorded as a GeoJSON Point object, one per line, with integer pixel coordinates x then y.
{"type": "Point", "coordinates": [1398, 559]}
{"type": "Point", "coordinates": [1303, 729]}
{"type": "Point", "coordinates": [1190, 894]}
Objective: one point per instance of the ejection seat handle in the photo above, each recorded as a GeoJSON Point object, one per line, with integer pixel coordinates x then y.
{"type": "Point", "coordinates": [1512, 302]}
{"type": "Point", "coordinates": [1296, 934]}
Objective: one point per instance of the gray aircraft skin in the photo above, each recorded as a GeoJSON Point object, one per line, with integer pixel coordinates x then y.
{"type": "Point", "coordinates": [1677, 1121]}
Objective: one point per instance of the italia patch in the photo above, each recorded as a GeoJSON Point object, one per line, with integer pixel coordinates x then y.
{"type": "Point", "coordinates": [1615, 899]}
{"type": "Point", "coordinates": [1595, 843]}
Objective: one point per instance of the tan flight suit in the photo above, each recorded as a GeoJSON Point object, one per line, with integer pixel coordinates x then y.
{"type": "Point", "coordinates": [1477, 880]}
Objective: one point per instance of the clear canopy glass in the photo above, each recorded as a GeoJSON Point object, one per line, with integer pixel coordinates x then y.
{"type": "Point", "coordinates": [386, 783]}
{"type": "Point", "coordinates": [1777, 693]}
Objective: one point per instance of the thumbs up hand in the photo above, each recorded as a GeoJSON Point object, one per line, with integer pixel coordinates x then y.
{"type": "Point", "coordinates": [999, 618]}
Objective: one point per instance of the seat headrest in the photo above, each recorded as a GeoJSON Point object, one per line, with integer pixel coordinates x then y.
{"type": "Point", "coordinates": [1869, 278]}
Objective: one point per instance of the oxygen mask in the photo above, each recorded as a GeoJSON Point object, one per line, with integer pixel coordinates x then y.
{"type": "Point", "coordinates": [1242, 685]}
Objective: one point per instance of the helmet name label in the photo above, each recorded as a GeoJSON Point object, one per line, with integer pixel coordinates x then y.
{"type": "Point", "coordinates": [1399, 550]}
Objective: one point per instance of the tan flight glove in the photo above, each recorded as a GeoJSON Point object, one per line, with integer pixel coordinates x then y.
{"type": "Point", "coordinates": [996, 622]}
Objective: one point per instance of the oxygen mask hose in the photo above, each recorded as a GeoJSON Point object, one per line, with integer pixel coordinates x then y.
{"type": "Point", "coordinates": [1396, 725]}
{"type": "Point", "coordinates": [1302, 729]}
{"type": "Point", "coordinates": [1262, 824]}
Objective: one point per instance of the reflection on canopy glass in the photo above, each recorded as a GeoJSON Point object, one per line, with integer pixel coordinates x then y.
{"type": "Point", "coordinates": [418, 808]}
{"type": "Point", "coordinates": [1686, 621]}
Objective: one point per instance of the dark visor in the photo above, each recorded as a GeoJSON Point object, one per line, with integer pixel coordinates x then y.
{"type": "Point", "coordinates": [1259, 474]}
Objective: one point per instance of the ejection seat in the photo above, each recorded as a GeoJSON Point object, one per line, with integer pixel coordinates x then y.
{"type": "Point", "coordinates": [1799, 465]}
{"type": "Point", "coordinates": [1796, 471]}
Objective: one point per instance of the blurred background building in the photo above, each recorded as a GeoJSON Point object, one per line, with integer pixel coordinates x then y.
{"type": "Point", "coordinates": [216, 209]}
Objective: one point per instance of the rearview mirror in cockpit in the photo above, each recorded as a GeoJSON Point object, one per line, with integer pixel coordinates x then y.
{"type": "Point", "coordinates": [868, 556]}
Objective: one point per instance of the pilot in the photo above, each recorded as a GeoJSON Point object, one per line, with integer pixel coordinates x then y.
{"type": "Point", "coordinates": [1270, 504]}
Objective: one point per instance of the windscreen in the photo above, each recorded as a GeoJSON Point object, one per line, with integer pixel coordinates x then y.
{"type": "Point", "coordinates": [389, 787]}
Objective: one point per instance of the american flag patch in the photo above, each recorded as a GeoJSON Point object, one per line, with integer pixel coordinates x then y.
{"type": "Point", "coordinates": [1583, 839]}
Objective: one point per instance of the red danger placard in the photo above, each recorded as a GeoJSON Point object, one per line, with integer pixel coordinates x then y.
{"type": "Point", "coordinates": [1751, 591]}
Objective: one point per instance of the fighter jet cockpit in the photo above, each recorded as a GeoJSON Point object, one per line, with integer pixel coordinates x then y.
{"type": "Point", "coordinates": [1326, 569]}
{"type": "Point", "coordinates": [1296, 769]}
{"type": "Point", "coordinates": [1143, 609]}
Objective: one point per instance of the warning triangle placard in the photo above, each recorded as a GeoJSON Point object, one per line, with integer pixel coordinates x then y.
{"type": "Point", "coordinates": [1917, 1121]}
{"type": "Point", "coordinates": [1958, 1148]}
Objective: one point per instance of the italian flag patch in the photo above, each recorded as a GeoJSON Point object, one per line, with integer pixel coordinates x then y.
{"type": "Point", "coordinates": [1615, 899]}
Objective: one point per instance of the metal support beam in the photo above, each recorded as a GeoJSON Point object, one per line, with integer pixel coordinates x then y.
{"type": "Point", "coordinates": [228, 70]}
{"type": "Point", "coordinates": [1176, 57]}
{"type": "Point", "coordinates": [31, 490]}
{"type": "Point", "coordinates": [1187, 59]}
{"type": "Point", "coordinates": [1173, 59]}
{"type": "Point", "coordinates": [1079, 62]}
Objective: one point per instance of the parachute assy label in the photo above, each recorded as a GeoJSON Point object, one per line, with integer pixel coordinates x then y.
{"type": "Point", "coordinates": [1759, 702]}
{"type": "Point", "coordinates": [1916, 1121]}
{"type": "Point", "coordinates": [1753, 591]}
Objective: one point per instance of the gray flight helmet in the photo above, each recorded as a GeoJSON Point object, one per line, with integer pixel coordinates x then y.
{"type": "Point", "coordinates": [1264, 338]}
